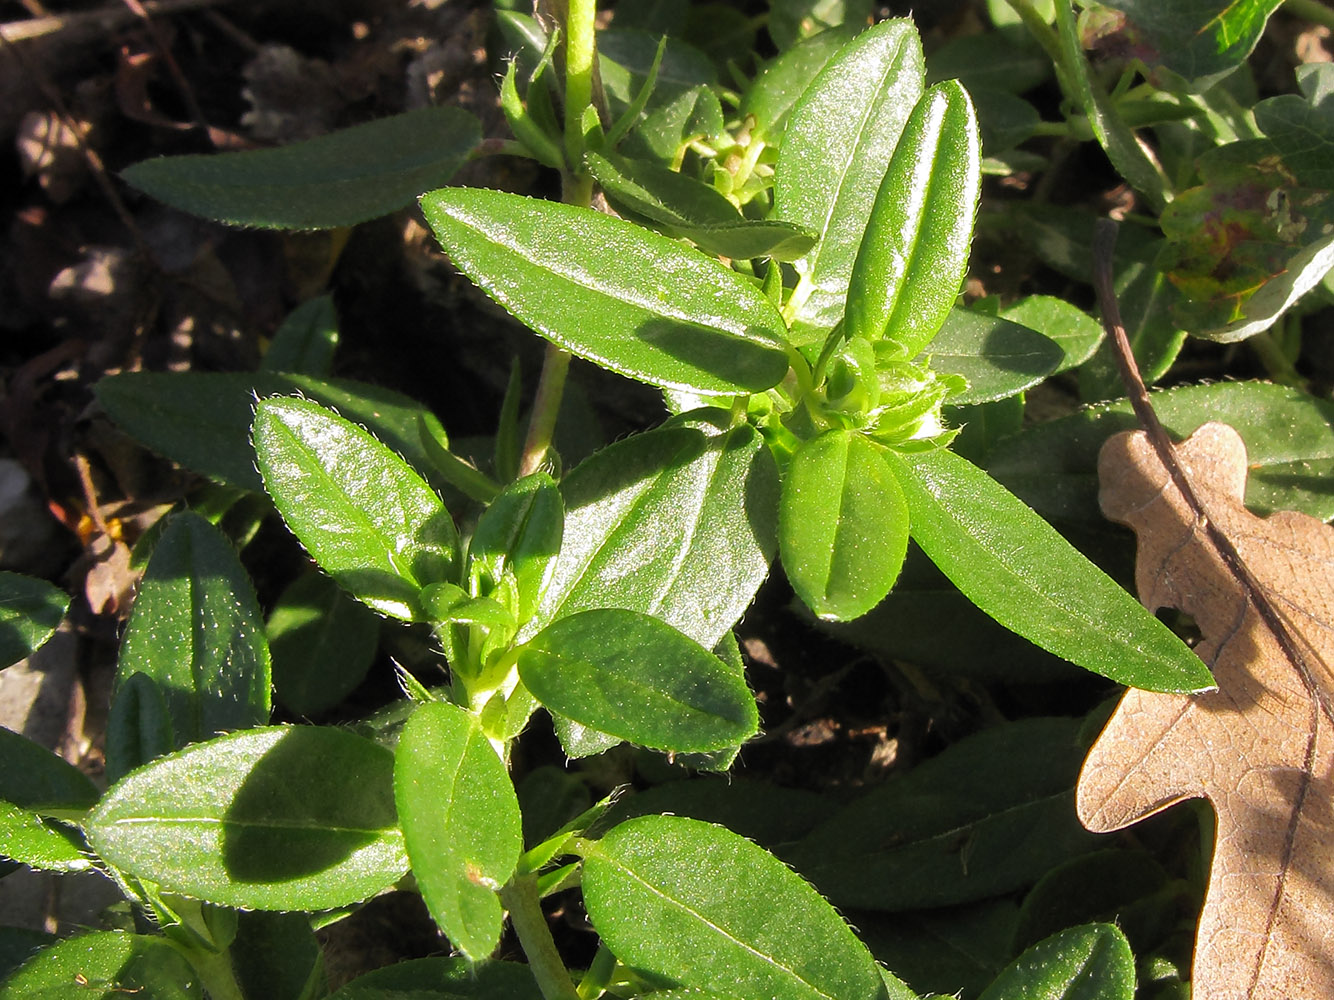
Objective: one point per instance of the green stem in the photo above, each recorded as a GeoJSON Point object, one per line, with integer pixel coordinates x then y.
{"type": "Point", "coordinates": [1311, 10]}
{"type": "Point", "coordinates": [580, 51]}
{"type": "Point", "coordinates": [519, 897]}
{"type": "Point", "coordinates": [1040, 30]}
{"type": "Point", "coordinates": [599, 974]}
{"type": "Point", "coordinates": [546, 406]}
{"type": "Point", "coordinates": [1276, 363]}
{"type": "Point", "coordinates": [215, 971]}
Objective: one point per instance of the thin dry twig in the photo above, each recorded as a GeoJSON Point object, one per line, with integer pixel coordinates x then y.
{"type": "Point", "coordinates": [1104, 242]}
{"type": "Point", "coordinates": [107, 18]}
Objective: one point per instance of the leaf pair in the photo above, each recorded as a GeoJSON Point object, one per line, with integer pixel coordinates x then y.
{"type": "Point", "coordinates": [597, 657]}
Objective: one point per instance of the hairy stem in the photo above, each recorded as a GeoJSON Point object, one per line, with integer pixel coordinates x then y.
{"type": "Point", "coordinates": [580, 53]}
{"type": "Point", "coordinates": [546, 405]}
{"type": "Point", "coordinates": [520, 898]}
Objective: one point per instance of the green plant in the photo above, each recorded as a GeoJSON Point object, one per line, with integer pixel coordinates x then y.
{"type": "Point", "coordinates": [788, 274]}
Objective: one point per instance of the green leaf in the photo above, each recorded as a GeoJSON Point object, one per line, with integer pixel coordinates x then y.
{"type": "Point", "coordinates": [284, 818]}
{"type": "Point", "coordinates": [653, 891]}
{"type": "Point", "coordinates": [842, 525]}
{"type": "Point", "coordinates": [30, 611]}
{"type": "Point", "coordinates": [461, 823]}
{"type": "Point", "coordinates": [683, 206]}
{"type": "Point", "coordinates": [1198, 40]}
{"type": "Point", "coordinates": [1109, 128]}
{"type": "Point", "coordinates": [766, 813]}
{"type": "Point", "coordinates": [517, 537]}
{"type": "Point", "coordinates": [998, 356]}
{"type": "Point", "coordinates": [835, 152]}
{"type": "Point", "coordinates": [677, 522]}
{"type": "Point", "coordinates": [17, 945]}
{"type": "Point", "coordinates": [1016, 568]}
{"type": "Point", "coordinates": [322, 643]}
{"type": "Point", "coordinates": [628, 299]}
{"type": "Point", "coordinates": [926, 621]}
{"type": "Point", "coordinates": [771, 97]}
{"type": "Point", "coordinates": [948, 951]}
{"type": "Point", "coordinates": [1076, 332]}
{"type": "Point", "coordinates": [362, 513]}
{"type": "Point", "coordinates": [990, 60]}
{"type": "Point", "coordinates": [911, 262]}
{"type": "Point", "coordinates": [989, 815]}
{"type": "Point", "coordinates": [1289, 443]}
{"type": "Point", "coordinates": [1255, 237]}
{"type": "Point", "coordinates": [139, 726]}
{"type": "Point", "coordinates": [338, 179]}
{"type": "Point", "coordinates": [1126, 887]}
{"type": "Point", "coordinates": [306, 341]}
{"type": "Point", "coordinates": [202, 419]}
{"type": "Point", "coordinates": [790, 21]}
{"type": "Point", "coordinates": [40, 843]}
{"type": "Point", "coordinates": [636, 678]}
{"type": "Point", "coordinates": [33, 777]}
{"type": "Point", "coordinates": [444, 979]}
{"type": "Point", "coordinates": [1092, 962]}
{"type": "Point", "coordinates": [112, 964]}
{"type": "Point", "coordinates": [196, 630]}
{"type": "Point", "coordinates": [276, 956]}
{"type": "Point", "coordinates": [683, 103]}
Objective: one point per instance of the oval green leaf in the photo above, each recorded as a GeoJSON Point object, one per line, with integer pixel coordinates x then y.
{"type": "Point", "coordinates": [842, 525]}
{"type": "Point", "coordinates": [607, 290]}
{"type": "Point", "coordinates": [683, 206]}
{"type": "Point", "coordinates": [33, 777]}
{"type": "Point", "coordinates": [285, 818]}
{"type": "Point", "coordinates": [998, 357]}
{"type": "Point", "coordinates": [461, 823]}
{"type": "Point", "coordinates": [654, 890]}
{"type": "Point", "coordinates": [444, 979]}
{"type": "Point", "coordinates": [779, 86]}
{"type": "Point", "coordinates": [835, 151]}
{"type": "Point", "coordinates": [991, 814]}
{"type": "Point", "coordinates": [338, 179]}
{"type": "Point", "coordinates": [202, 419]}
{"type": "Point", "coordinates": [112, 964]}
{"type": "Point", "coordinates": [322, 643]}
{"type": "Point", "coordinates": [636, 678]}
{"type": "Point", "coordinates": [1020, 571]}
{"type": "Point", "coordinates": [307, 339]}
{"type": "Point", "coordinates": [1076, 332]}
{"type": "Point", "coordinates": [1092, 962]}
{"type": "Point", "coordinates": [362, 512]}
{"type": "Point", "coordinates": [1289, 442]}
{"type": "Point", "coordinates": [30, 611]}
{"type": "Point", "coordinates": [678, 523]}
{"type": "Point", "coordinates": [911, 263]}
{"type": "Point", "coordinates": [40, 843]}
{"type": "Point", "coordinates": [197, 632]}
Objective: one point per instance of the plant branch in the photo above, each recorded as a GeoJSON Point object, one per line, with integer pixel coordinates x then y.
{"type": "Point", "coordinates": [1104, 241]}
{"type": "Point", "coordinates": [546, 406]}
{"type": "Point", "coordinates": [580, 53]}
{"type": "Point", "coordinates": [519, 897]}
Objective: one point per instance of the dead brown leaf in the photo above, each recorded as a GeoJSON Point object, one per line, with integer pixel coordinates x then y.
{"type": "Point", "coordinates": [1260, 748]}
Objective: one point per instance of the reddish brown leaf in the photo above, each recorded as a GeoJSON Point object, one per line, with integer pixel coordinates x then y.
{"type": "Point", "coordinates": [1261, 747]}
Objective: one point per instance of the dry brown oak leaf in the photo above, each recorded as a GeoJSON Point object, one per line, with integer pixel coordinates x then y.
{"type": "Point", "coordinates": [1261, 747]}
